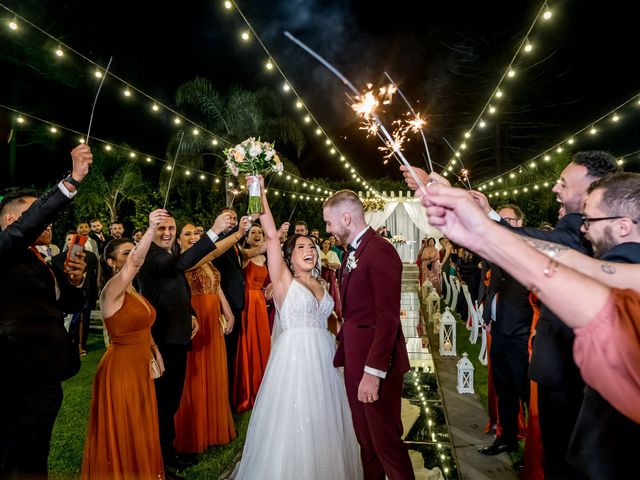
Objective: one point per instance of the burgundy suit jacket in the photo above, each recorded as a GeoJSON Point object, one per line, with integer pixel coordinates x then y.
{"type": "Point", "coordinates": [371, 334]}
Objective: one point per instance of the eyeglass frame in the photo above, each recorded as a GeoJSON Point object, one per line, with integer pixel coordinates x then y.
{"type": "Point", "coordinates": [586, 220]}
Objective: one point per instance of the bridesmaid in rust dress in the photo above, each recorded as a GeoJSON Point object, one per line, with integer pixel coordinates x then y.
{"type": "Point", "coordinates": [204, 416]}
{"type": "Point", "coordinates": [254, 343]}
{"type": "Point", "coordinates": [123, 440]}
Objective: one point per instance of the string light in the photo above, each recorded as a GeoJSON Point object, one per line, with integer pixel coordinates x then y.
{"type": "Point", "coordinates": [509, 72]}
{"type": "Point", "coordinates": [13, 24]}
{"type": "Point", "coordinates": [571, 139]}
{"type": "Point", "coordinates": [245, 36]}
{"type": "Point", "coordinates": [228, 5]}
{"type": "Point", "coordinates": [59, 52]}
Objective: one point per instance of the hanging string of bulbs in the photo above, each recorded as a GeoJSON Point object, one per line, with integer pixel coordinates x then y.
{"type": "Point", "coordinates": [490, 108]}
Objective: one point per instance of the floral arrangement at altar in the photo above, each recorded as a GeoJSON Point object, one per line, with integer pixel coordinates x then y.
{"type": "Point", "coordinates": [253, 157]}
{"type": "Point", "coordinates": [373, 204]}
{"type": "Point", "coordinates": [398, 240]}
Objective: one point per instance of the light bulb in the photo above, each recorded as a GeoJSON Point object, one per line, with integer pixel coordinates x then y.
{"type": "Point", "coordinates": [196, 131]}
{"type": "Point", "coordinates": [499, 94]}
{"type": "Point", "coordinates": [286, 87]}
{"type": "Point", "coordinates": [269, 65]}
{"type": "Point", "coordinates": [20, 119]}
{"type": "Point", "coordinates": [318, 131]}
{"type": "Point", "coordinates": [492, 109]}
{"type": "Point", "coordinates": [217, 180]}
{"type": "Point", "coordinates": [547, 158]}
{"type": "Point", "coordinates": [168, 167]}
{"type": "Point", "coordinates": [155, 107]}
{"type": "Point", "coordinates": [615, 117]}
{"type": "Point", "coordinates": [177, 121]}
{"type": "Point", "coordinates": [127, 92]}
{"type": "Point", "coordinates": [98, 74]}
{"type": "Point", "coordinates": [511, 73]}
{"type": "Point", "coordinates": [245, 36]}
{"type": "Point", "coordinates": [59, 51]}
{"type": "Point", "coordinates": [532, 165]}
{"type": "Point", "coordinates": [214, 141]}
{"type": "Point", "coordinates": [593, 131]}
{"type": "Point", "coordinates": [528, 47]}
{"type": "Point", "coordinates": [482, 124]}
{"type": "Point", "coordinates": [571, 141]}
{"type": "Point", "coordinates": [307, 119]}
{"type": "Point", "coordinates": [547, 14]}
{"type": "Point", "coordinates": [187, 173]}
{"type": "Point", "coordinates": [107, 148]}
{"type": "Point", "coordinates": [228, 5]}
{"type": "Point", "coordinates": [559, 149]}
{"type": "Point", "coordinates": [53, 130]}
{"type": "Point", "coordinates": [467, 134]}
{"type": "Point", "coordinates": [13, 24]}
{"type": "Point", "coordinates": [132, 155]}
{"type": "Point", "coordinates": [148, 159]}
{"type": "Point", "coordinates": [201, 176]}
{"type": "Point", "coordinates": [298, 104]}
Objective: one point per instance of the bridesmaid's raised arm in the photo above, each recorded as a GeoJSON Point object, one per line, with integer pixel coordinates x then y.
{"type": "Point", "coordinates": [113, 292]}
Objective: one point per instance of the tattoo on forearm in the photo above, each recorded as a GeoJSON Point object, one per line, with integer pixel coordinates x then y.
{"type": "Point", "coordinates": [549, 249]}
{"type": "Point", "coordinates": [608, 268]}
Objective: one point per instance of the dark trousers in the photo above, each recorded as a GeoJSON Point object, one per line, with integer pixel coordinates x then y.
{"type": "Point", "coordinates": [29, 403]}
{"type": "Point", "coordinates": [509, 367]}
{"type": "Point", "coordinates": [378, 428]}
{"type": "Point", "coordinates": [604, 442]}
{"type": "Point", "coordinates": [558, 411]}
{"type": "Point", "coordinates": [231, 342]}
{"type": "Point", "coordinates": [80, 323]}
{"type": "Point", "coordinates": [168, 394]}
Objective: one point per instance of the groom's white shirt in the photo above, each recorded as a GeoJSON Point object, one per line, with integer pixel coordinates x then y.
{"type": "Point", "coordinates": [354, 244]}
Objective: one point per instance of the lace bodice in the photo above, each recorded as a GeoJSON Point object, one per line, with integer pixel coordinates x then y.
{"type": "Point", "coordinates": [204, 280]}
{"type": "Point", "coordinates": [301, 309]}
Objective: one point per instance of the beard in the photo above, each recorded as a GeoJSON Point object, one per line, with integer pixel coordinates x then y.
{"type": "Point", "coordinates": [603, 244]}
{"type": "Point", "coordinates": [341, 236]}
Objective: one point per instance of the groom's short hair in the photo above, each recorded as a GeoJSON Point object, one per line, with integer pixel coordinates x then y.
{"type": "Point", "coordinates": [344, 198]}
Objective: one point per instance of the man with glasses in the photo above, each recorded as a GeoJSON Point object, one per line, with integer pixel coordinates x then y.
{"type": "Point", "coordinates": [600, 442]}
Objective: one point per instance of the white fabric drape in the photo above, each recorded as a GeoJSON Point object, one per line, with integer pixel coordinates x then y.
{"type": "Point", "coordinates": [377, 219]}
{"type": "Point", "coordinates": [418, 215]}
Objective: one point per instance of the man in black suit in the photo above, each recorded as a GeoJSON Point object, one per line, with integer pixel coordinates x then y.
{"type": "Point", "coordinates": [81, 320]}
{"type": "Point", "coordinates": [560, 386]}
{"type": "Point", "coordinates": [602, 445]}
{"type": "Point", "coordinates": [163, 283]}
{"type": "Point", "coordinates": [36, 353]}
{"type": "Point", "coordinates": [508, 310]}
{"type": "Point", "coordinates": [97, 235]}
{"type": "Point", "coordinates": [229, 264]}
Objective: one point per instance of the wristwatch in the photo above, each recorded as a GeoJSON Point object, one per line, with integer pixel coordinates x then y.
{"type": "Point", "coordinates": [72, 181]}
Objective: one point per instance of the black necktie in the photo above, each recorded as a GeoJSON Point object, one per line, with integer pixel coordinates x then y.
{"type": "Point", "coordinates": [350, 249]}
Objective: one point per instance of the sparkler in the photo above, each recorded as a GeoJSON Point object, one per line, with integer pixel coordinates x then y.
{"type": "Point", "coordinates": [175, 159]}
{"type": "Point", "coordinates": [95, 100]}
{"type": "Point", "coordinates": [417, 123]}
{"type": "Point", "coordinates": [365, 104]}
{"type": "Point", "coordinates": [464, 171]}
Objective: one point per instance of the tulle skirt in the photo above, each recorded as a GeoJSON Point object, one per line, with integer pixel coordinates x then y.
{"type": "Point", "coordinates": [301, 424]}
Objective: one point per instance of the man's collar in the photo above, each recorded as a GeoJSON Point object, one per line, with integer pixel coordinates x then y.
{"type": "Point", "coordinates": [356, 241]}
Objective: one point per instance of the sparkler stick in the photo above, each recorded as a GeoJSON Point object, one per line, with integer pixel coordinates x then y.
{"type": "Point", "coordinates": [463, 168]}
{"type": "Point", "coordinates": [95, 100]}
{"type": "Point", "coordinates": [424, 140]}
{"type": "Point", "coordinates": [175, 159]}
{"type": "Point", "coordinates": [293, 211]}
{"type": "Point", "coordinates": [334, 70]}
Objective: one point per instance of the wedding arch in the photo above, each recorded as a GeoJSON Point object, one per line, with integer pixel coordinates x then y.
{"type": "Point", "coordinates": [405, 217]}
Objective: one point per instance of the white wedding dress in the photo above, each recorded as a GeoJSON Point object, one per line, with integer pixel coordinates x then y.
{"type": "Point", "coordinates": [301, 425]}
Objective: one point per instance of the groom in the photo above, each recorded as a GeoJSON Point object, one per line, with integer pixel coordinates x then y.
{"type": "Point", "coordinates": [372, 348]}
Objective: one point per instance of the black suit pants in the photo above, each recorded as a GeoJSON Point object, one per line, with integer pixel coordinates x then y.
{"type": "Point", "coordinates": [509, 367]}
{"type": "Point", "coordinates": [29, 403]}
{"type": "Point", "coordinates": [169, 392]}
{"type": "Point", "coordinates": [557, 414]}
{"type": "Point", "coordinates": [231, 341]}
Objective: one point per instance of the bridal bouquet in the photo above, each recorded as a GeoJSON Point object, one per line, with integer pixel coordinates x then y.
{"type": "Point", "coordinates": [253, 157]}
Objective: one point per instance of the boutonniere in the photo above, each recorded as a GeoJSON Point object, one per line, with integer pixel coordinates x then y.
{"type": "Point", "coordinates": [352, 262]}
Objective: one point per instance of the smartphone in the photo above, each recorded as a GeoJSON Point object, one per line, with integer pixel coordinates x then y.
{"type": "Point", "coordinates": [76, 247]}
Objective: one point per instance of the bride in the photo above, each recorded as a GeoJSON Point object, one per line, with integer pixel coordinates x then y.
{"type": "Point", "coordinates": [301, 424]}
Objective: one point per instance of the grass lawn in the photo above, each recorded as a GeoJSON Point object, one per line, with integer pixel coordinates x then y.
{"type": "Point", "coordinates": [67, 443]}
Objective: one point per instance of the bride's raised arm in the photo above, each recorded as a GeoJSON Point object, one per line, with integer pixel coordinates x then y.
{"type": "Point", "coordinates": [278, 271]}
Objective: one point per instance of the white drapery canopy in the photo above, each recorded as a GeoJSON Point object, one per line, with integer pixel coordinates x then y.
{"type": "Point", "coordinates": [407, 218]}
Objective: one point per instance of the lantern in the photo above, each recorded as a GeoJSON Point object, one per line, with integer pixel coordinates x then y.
{"type": "Point", "coordinates": [433, 304]}
{"type": "Point", "coordinates": [448, 334]}
{"type": "Point", "coordinates": [436, 322]}
{"type": "Point", "coordinates": [465, 375]}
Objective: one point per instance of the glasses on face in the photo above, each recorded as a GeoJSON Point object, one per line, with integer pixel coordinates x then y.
{"type": "Point", "coordinates": [586, 221]}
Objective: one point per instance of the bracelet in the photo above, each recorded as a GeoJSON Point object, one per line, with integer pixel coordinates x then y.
{"type": "Point", "coordinates": [71, 180]}
{"type": "Point", "coordinates": [551, 268]}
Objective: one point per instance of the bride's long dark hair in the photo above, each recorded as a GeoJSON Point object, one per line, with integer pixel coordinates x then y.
{"type": "Point", "coordinates": [287, 250]}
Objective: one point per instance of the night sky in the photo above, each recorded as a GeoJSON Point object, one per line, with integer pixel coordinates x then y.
{"type": "Point", "coordinates": [447, 57]}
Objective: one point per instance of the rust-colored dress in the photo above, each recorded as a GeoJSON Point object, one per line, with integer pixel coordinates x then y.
{"type": "Point", "coordinates": [123, 441]}
{"type": "Point", "coordinates": [254, 343]}
{"type": "Point", "coordinates": [204, 416]}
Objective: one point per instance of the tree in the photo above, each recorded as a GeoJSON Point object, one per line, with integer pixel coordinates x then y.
{"type": "Point", "coordinates": [114, 179]}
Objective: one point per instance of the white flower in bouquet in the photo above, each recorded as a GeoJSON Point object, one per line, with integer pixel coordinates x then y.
{"type": "Point", "coordinates": [253, 157]}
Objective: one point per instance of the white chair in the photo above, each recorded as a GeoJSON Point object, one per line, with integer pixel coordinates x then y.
{"type": "Point", "coordinates": [445, 281]}
{"type": "Point", "coordinates": [470, 309]}
{"type": "Point", "coordinates": [455, 287]}
{"type": "Point", "coordinates": [483, 348]}
{"type": "Point", "coordinates": [475, 326]}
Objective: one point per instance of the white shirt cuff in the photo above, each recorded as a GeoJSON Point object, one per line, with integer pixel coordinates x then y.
{"type": "Point", "coordinates": [65, 191]}
{"type": "Point", "coordinates": [375, 371]}
{"type": "Point", "coordinates": [212, 236]}
{"type": "Point", "coordinates": [493, 215]}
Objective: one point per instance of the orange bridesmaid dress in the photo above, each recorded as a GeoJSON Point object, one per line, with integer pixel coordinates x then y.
{"type": "Point", "coordinates": [254, 343]}
{"type": "Point", "coordinates": [204, 416]}
{"type": "Point", "coordinates": [123, 441]}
